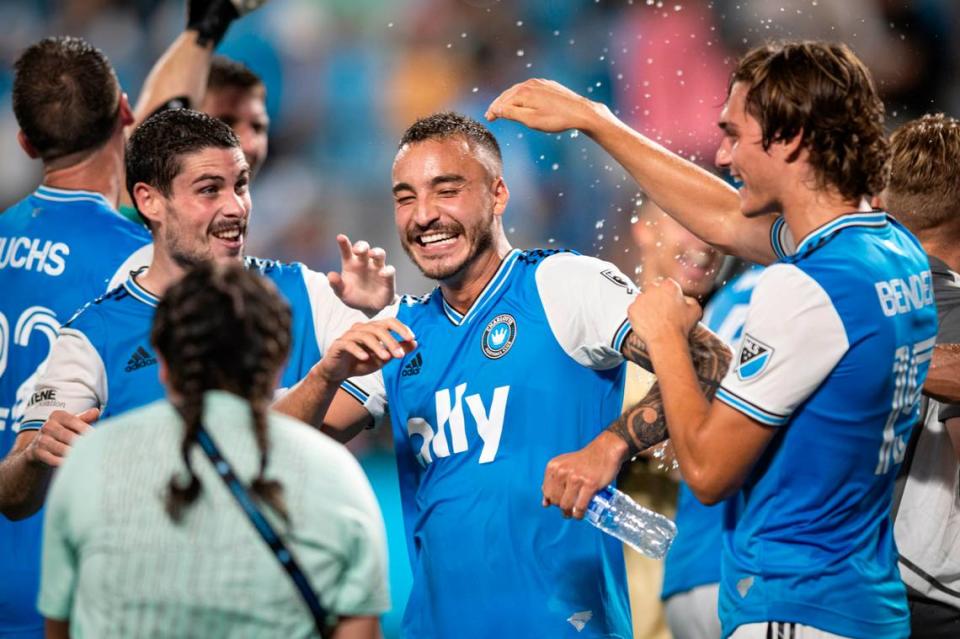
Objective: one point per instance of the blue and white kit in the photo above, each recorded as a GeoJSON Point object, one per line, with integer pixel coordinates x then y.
{"type": "Point", "coordinates": [836, 346]}
{"type": "Point", "coordinates": [58, 250]}
{"type": "Point", "coordinates": [531, 370]}
{"type": "Point", "coordinates": [103, 357]}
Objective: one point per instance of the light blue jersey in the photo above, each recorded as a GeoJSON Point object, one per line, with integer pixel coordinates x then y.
{"type": "Point", "coordinates": [58, 250]}
{"type": "Point", "coordinates": [104, 358]}
{"type": "Point", "coordinates": [694, 556]}
{"type": "Point", "coordinates": [835, 349]}
{"type": "Point", "coordinates": [532, 370]}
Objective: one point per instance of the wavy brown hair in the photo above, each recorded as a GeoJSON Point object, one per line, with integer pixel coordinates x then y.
{"type": "Point", "coordinates": [923, 188]}
{"type": "Point", "coordinates": [823, 92]}
{"type": "Point", "coordinates": [222, 327]}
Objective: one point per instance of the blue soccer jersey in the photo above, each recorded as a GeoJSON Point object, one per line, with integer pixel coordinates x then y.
{"type": "Point", "coordinates": [694, 556]}
{"type": "Point", "coordinates": [104, 358]}
{"type": "Point", "coordinates": [58, 250]}
{"type": "Point", "coordinates": [835, 349]}
{"type": "Point", "coordinates": [532, 370]}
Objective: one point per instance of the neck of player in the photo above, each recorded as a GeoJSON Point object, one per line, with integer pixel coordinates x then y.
{"type": "Point", "coordinates": [805, 210]}
{"type": "Point", "coordinates": [162, 273]}
{"type": "Point", "coordinates": [100, 172]}
{"type": "Point", "coordinates": [462, 290]}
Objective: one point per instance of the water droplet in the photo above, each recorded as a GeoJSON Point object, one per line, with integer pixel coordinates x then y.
{"type": "Point", "coordinates": [519, 53]}
{"type": "Point", "coordinates": [555, 166]}
{"type": "Point", "coordinates": [389, 25]}
{"type": "Point", "coordinates": [575, 133]}
{"type": "Point", "coordinates": [474, 89]}
{"type": "Point", "coordinates": [519, 23]}
{"type": "Point", "coordinates": [463, 35]}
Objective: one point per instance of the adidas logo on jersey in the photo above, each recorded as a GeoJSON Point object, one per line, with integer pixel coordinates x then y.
{"type": "Point", "coordinates": [413, 366]}
{"type": "Point", "coordinates": [140, 359]}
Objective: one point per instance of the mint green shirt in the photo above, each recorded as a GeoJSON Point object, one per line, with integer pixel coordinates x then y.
{"type": "Point", "coordinates": [116, 565]}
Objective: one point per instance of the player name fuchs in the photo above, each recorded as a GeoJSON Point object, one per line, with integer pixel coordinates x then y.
{"type": "Point", "coordinates": [489, 425]}
{"type": "Point", "coordinates": [33, 255]}
{"type": "Point", "coordinates": [897, 296]}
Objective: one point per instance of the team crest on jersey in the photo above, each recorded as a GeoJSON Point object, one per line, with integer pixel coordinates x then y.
{"type": "Point", "coordinates": [499, 336]}
{"type": "Point", "coordinates": [754, 356]}
{"type": "Point", "coordinates": [619, 280]}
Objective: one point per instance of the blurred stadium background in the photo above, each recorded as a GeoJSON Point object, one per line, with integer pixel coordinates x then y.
{"type": "Point", "coordinates": [345, 77]}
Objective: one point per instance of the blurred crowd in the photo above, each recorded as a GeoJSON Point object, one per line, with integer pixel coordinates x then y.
{"type": "Point", "coordinates": [345, 77]}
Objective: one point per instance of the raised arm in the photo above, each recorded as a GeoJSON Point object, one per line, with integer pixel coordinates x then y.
{"type": "Point", "coordinates": [701, 202]}
{"type": "Point", "coordinates": [181, 72]}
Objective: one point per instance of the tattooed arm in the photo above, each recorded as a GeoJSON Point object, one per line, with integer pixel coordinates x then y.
{"type": "Point", "coordinates": [571, 480]}
{"type": "Point", "coordinates": [644, 424]}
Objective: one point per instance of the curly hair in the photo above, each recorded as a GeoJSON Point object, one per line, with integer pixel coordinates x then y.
{"type": "Point", "coordinates": [923, 187]}
{"type": "Point", "coordinates": [66, 97]}
{"type": "Point", "coordinates": [222, 327]}
{"type": "Point", "coordinates": [824, 93]}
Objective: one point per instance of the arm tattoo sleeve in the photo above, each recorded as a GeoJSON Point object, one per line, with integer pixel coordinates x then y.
{"type": "Point", "coordinates": [644, 424]}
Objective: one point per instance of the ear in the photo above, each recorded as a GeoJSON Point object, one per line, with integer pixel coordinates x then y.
{"type": "Point", "coordinates": [26, 146]}
{"type": "Point", "coordinates": [501, 195]}
{"type": "Point", "coordinates": [790, 150]}
{"type": "Point", "coordinates": [126, 113]}
{"type": "Point", "coordinates": [150, 202]}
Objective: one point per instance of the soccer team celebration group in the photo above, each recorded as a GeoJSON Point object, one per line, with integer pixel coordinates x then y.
{"type": "Point", "coordinates": [173, 411]}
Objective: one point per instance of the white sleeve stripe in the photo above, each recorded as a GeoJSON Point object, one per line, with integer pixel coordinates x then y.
{"type": "Point", "coordinates": [621, 335]}
{"type": "Point", "coordinates": [751, 410]}
{"type": "Point", "coordinates": [33, 424]}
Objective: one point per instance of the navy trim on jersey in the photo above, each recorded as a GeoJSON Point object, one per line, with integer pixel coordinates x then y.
{"type": "Point", "coordinates": [31, 425]}
{"type": "Point", "coordinates": [489, 291]}
{"type": "Point", "coordinates": [621, 335]}
{"type": "Point", "coordinates": [775, 237]}
{"type": "Point", "coordinates": [872, 218]}
{"type": "Point", "coordinates": [750, 409]}
{"type": "Point", "coordinates": [355, 391]}
{"type": "Point", "coordinates": [139, 293]}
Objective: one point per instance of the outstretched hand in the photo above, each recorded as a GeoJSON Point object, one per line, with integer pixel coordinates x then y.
{"type": "Point", "coordinates": [544, 105]}
{"type": "Point", "coordinates": [365, 281]}
{"type": "Point", "coordinates": [365, 348]}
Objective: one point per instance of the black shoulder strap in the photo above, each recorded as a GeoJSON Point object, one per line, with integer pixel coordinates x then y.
{"type": "Point", "coordinates": [266, 531]}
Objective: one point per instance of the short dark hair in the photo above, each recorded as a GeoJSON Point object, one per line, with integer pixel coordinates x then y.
{"type": "Point", "coordinates": [923, 189]}
{"type": "Point", "coordinates": [449, 124]}
{"type": "Point", "coordinates": [231, 74]}
{"type": "Point", "coordinates": [156, 147]}
{"type": "Point", "coordinates": [66, 96]}
{"type": "Point", "coordinates": [824, 92]}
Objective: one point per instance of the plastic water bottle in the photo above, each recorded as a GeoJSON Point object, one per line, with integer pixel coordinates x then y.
{"type": "Point", "coordinates": [644, 530]}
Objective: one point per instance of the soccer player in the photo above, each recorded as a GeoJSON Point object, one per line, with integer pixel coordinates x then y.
{"type": "Point", "coordinates": [521, 353]}
{"type": "Point", "coordinates": [188, 176]}
{"type": "Point", "coordinates": [236, 95]}
{"type": "Point", "coordinates": [809, 427]}
{"type": "Point", "coordinates": [59, 247]}
{"type": "Point", "coordinates": [922, 192]}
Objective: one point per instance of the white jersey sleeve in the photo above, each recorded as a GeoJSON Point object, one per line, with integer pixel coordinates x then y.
{"type": "Point", "coordinates": [370, 390]}
{"type": "Point", "coordinates": [74, 380]}
{"type": "Point", "coordinates": [793, 337]}
{"type": "Point", "coordinates": [586, 301]}
{"type": "Point", "coordinates": [136, 261]}
{"type": "Point", "coordinates": [331, 317]}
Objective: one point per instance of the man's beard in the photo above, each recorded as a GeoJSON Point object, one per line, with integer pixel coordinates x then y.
{"type": "Point", "coordinates": [186, 257]}
{"type": "Point", "coordinates": [483, 241]}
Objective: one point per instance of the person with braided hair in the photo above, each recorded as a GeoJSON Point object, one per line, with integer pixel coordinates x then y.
{"type": "Point", "coordinates": [147, 540]}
